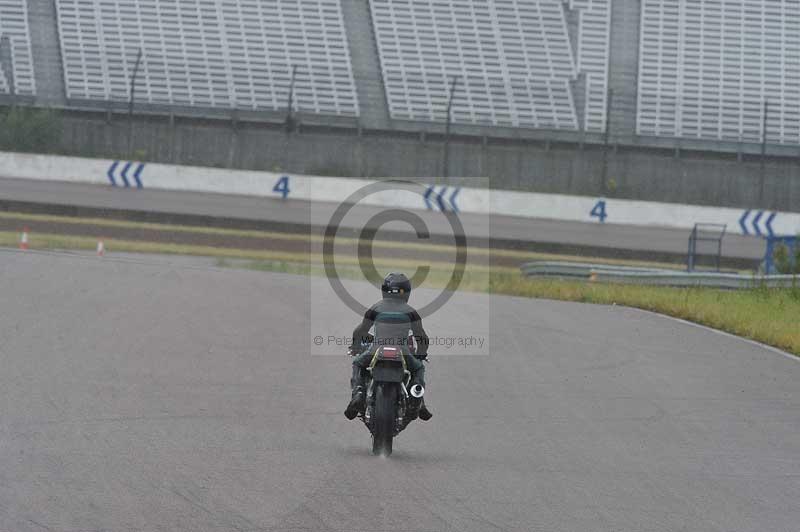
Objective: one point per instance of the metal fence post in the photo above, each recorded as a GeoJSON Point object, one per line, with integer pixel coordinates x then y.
{"type": "Point", "coordinates": [762, 175]}
{"type": "Point", "coordinates": [289, 123]}
{"type": "Point", "coordinates": [446, 170]}
{"type": "Point", "coordinates": [131, 103]}
{"type": "Point", "coordinates": [606, 135]}
{"type": "Point", "coordinates": [692, 250]}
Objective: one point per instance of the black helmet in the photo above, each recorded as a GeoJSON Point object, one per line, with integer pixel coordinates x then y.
{"type": "Point", "coordinates": [396, 285]}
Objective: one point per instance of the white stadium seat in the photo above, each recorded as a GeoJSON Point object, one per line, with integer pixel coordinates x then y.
{"type": "Point", "coordinates": [14, 25]}
{"type": "Point", "coordinates": [513, 59]}
{"type": "Point", "coordinates": [593, 57]}
{"type": "Point", "coordinates": [228, 53]}
{"type": "Point", "coordinates": [706, 69]}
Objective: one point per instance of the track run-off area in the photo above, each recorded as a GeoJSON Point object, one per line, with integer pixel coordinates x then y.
{"type": "Point", "coordinates": [164, 394]}
{"type": "Point", "coordinates": [533, 234]}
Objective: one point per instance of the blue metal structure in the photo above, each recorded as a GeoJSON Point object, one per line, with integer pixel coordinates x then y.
{"type": "Point", "coordinates": [792, 245]}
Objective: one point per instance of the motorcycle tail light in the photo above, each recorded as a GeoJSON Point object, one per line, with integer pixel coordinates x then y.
{"type": "Point", "coordinates": [390, 352]}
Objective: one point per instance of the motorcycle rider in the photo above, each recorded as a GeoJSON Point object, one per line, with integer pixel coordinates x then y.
{"type": "Point", "coordinates": [392, 317]}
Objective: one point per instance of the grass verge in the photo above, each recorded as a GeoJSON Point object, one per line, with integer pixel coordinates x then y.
{"type": "Point", "coordinates": [766, 315]}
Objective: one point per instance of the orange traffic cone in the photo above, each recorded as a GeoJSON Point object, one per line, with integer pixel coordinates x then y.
{"type": "Point", "coordinates": [101, 248]}
{"type": "Point", "coordinates": [23, 241]}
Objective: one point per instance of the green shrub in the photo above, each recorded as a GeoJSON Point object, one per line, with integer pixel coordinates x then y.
{"type": "Point", "coordinates": [785, 262]}
{"type": "Point", "coordinates": [26, 129]}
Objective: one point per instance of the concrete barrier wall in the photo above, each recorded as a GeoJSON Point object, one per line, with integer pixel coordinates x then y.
{"type": "Point", "coordinates": [643, 213]}
{"type": "Point", "coordinates": [638, 173]}
{"type": "Point", "coordinates": [457, 199]}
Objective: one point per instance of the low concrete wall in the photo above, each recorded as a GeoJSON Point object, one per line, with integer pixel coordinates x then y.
{"type": "Point", "coordinates": [469, 199]}
{"type": "Point", "coordinates": [633, 173]}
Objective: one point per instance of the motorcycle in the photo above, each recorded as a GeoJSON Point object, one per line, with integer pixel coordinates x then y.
{"type": "Point", "coordinates": [389, 406]}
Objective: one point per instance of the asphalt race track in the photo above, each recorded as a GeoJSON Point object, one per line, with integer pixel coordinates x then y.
{"type": "Point", "coordinates": [150, 395]}
{"type": "Point", "coordinates": [570, 236]}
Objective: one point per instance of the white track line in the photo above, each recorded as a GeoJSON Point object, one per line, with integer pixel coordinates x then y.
{"type": "Point", "coordinates": [796, 358]}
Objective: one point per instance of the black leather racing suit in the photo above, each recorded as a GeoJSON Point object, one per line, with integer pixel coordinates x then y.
{"type": "Point", "coordinates": [393, 318]}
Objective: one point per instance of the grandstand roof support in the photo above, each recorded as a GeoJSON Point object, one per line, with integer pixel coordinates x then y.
{"type": "Point", "coordinates": [763, 168]}
{"type": "Point", "coordinates": [172, 136]}
{"type": "Point", "coordinates": [290, 123]}
{"type": "Point", "coordinates": [604, 171]}
{"type": "Point", "coordinates": [290, 105]}
{"type": "Point", "coordinates": [131, 102]}
{"type": "Point", "coordinates": [446, 170]}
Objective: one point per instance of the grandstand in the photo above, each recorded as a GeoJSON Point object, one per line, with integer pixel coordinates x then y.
{"type": "Point", "coordinates": [14, 31]}
{"type": "Point", "coordinates": [235, 55]}
{"type": "Point", "coordinates": [715, 76]}
{"type": "Point", "coordinates": [710, 69]}
{"type": "Point", "coordinates": [514, 61]}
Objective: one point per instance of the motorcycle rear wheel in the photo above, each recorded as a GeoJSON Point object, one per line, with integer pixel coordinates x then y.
{"type": "Point", "coordinates": [385, 404]}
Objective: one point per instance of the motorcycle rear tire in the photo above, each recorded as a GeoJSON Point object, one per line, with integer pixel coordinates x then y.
{"type": "Point", "coordinates": [385, 405]}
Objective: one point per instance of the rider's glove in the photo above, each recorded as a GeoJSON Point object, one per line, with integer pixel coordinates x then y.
{"type": "Point", "coordinates": [421, 357]}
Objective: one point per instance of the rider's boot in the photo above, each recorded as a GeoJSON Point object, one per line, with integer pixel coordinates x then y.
{"type": "Point", "coordinates": [424, 414]}
{"type": "Point", "coordinates": [358, 400]}
{"type": "Point", "coordinates": [419, 409]}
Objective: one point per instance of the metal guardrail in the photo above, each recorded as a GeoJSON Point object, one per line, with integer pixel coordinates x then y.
{"type": "Point", "coordinates": [576, 269]}
{"type": "Point", "coordinates": [604, 273]}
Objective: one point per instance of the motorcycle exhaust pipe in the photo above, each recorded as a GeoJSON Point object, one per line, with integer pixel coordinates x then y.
{"type": "Point", "coordinates": [417, 391]}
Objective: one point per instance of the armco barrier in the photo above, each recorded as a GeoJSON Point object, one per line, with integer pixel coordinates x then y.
{"type": "Point", "coordinates": [580, 270]}
{"type": "Point", "coordinates": [708, 280]}
{"type": "Point", "coordinates": [131, 174]}
{"type": "Point", "coordinates": [655, 277]}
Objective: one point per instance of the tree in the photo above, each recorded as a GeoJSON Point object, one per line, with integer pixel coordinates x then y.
{"type": "Point", "coordinates": [27, 129]}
